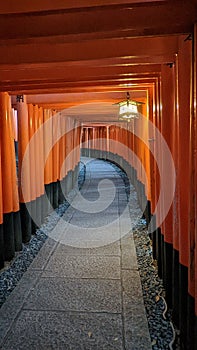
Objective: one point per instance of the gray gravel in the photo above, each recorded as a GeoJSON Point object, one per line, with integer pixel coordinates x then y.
{"type": "Point", "coordinates": [160, 329]}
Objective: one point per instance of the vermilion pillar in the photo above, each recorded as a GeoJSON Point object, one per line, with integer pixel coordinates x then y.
{"type": "Point", "coordinates": [48, 166]}
{"type": "Point", "coordinates": [1, 218]}
{"type": "Point", "coordinates": [33, 160]}
{"type": "Point", "coordinates": [11, 221]}
{"type": "Point", "coordinates": [192, 280]}
{"type": "Point", "coordinates": [55, 151]}
{"type": "Point", "coordinates": [183, 174]}
{"type": "Point", "coordinates": [168, 94]}
{"type": "Point", "coordinates": [24, 166]}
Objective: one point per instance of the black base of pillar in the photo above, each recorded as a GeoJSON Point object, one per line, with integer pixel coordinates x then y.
{"type": "Point", "coordinates": [62, 189]}
{"type": "Point", "coordinates": [167, 277]}
{"type": "Point", "coordinates": [1, 247]}
{"type": "Point", "coordinates": [38, 212]}
{"type": "Point", "coordinates": [153, 235]}
{"type": "Point", "coordinates": [162, 257]}
{"type": "Point", "coordinates": [147, 211]}
{"type": "Point", "coordinates": [75, 175]}
{"type": "Point", "coordinates": [42, 207]}
{"type": "Point", "coordinates": [8, 236]}
{"type": "Point", "coordinates": [49, 196]}
{"type": "Point", "coordinates": [45, 205]}
{"type": "Point", "coordinates": [175, 287]}
{"type": "Point", "coordinates": [191, 325]}
{"type": "Point", "coordinates": [34, 227]}
{"type": "Point", "coordinates": [132, 175]}
{"type": "Point", "coordinates": [195, 332]}
{"type": "Point", "coordinates": [183, 295]}
{"type": "Point", "coordinates": [153, 238]}
{"type": "Point", "coordinates": [61, 198]}
{"type": "Point", "coordinates": [138, 190]}
{"type": "Point", "coordinates": [25, 221]}
{"type": "Point", "coordinates": [143, 202]}
{"type": "Point", "coordinates": [158, 251]}
{"type": "Point", "coordinates": [17, 231]}
{"type": "Point", "coordinates": [68, 182]}
{"type": "Point", "coordinates": [33, 221]}
{"type": "Point", "coordinates": [55, 195]}
{"type": "Point", "coordinates": [72, 179]}
{"type": "Point", "coordinates": [135, 178]}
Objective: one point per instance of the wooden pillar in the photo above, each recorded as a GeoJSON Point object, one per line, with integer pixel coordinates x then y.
{"type": "Point", "coordinates": [168, 91]}
{"type": "Point", "coordinates": [183, 178]}
{"type": "Point", "coordinates": [11, 219]}
{"type": "Point", "coordinates": [1, 218]}
{"type": "Point", "coordinates": [48, 166]}
{"type": "Point", "coordinates": [192, 271]}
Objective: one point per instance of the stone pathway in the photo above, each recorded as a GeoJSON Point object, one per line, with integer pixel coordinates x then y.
{"type": "Point", "coordinates": [83, 289]}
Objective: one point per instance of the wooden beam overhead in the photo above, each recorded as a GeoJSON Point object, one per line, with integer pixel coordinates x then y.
{"type": "Point", "coordinates": [11, 6]}
{"type": "Point", "coordinates": [83, 89]}
{"type": "Point", "coordinates": [105, 22]}
{"type": "Point", "coordinates": [88, 50]}
{"type": "Point", "coordinates": [79, 73]}
{"type": "Point", "coordinates": [61, 84]}
{"type": "Point", "coordinates": [106, 62]}
{"type": "Point", "coordinates": [61, 101]}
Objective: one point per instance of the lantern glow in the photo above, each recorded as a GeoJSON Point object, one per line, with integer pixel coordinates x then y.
{"type": "Point", "coordinates": [128, 109]}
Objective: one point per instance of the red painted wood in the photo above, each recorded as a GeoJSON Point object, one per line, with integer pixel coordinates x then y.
{"type": "Point", "coordinates": [8, 160]}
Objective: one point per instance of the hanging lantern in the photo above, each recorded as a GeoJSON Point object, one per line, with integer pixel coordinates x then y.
{"type": "Point", "coordinates": [128, 109]}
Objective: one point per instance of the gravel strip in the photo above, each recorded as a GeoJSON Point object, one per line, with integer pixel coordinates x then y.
{"type": "Point", "coordinates": [153, 292]}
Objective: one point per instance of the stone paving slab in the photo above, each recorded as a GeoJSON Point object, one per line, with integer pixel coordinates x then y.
{"type": "Point", "coordinates": [41, 259]}
{"type": "Point", "coordinates": [135, 325]}
{"type": "Point", "coordinates": [48, 330]}
{"type": "Point", "coordinates": [83, 237]}
{"type": "Point", "coordinates": [128, 256]}
{"type": "Point", "coordinates": [93, 295]}
{"type": "Point", "coordinates": [94, 221]}
{"type": "Point", "coordinates": [14, 303]}
{"type": "Point", "coordinates": [112, 249]}
{"type": "Point", "coordinates": [112, 209]}
{"type": "Point", "coordinates": [77, 266]}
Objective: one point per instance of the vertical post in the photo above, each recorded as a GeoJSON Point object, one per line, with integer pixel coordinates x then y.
{"type": "Point", "coordinates": [16, 212]}
{"type": "Point", "coordinates": [41, 162]}
{"type": "Point", "coordinates": [33, 160]}
{"type": "Point", "coordinates": [195, 113]}
{"type": "Point", "coordinates": [1, 218]}
{"type": "Point", "coordinates": [192, 313]}
{"type": "Point", "coordinates": [62, 147]}
{"type": "Point", "coordinates": [152, 204]}
{"type": "Point", "coordinates": [24, 178]}
{"type": "Point", "coordinates": [107, 135]}
{"type": "Point", "coordinates": [37, 164]}
{"type": "Point", "coordinates": [55, 152]}
{"type": "Point", "coordinates": [48, 166]}
{"type": "Point", "coordinates": [9, 179]}
{"type": "Point", "coordinates": [183, 104]}
{"type": "Point", "coordinates": [167, 128]}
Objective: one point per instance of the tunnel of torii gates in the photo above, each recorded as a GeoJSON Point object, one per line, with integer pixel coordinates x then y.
{"type": "Point", "coordinates": [57, 103]}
